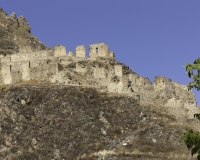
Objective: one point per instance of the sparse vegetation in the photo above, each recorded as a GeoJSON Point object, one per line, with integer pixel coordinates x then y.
{"type": "Point", "coordinates": [69, 119]}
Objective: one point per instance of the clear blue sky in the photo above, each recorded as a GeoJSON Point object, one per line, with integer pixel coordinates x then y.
{"type": "Point", "coordinates": [153, 37]}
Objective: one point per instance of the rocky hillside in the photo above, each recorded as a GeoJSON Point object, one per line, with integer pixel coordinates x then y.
{"type": "Point", "coordinates": [15, 35]}
{"type": "Point", "coordinates": [42, 121]}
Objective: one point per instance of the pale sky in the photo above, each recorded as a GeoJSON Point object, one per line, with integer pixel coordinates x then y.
{"type": "Point", "coordinates": [153, 37]}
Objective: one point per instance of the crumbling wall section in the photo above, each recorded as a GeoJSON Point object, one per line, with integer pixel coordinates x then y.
{"type": "Point", "coordinates": [80, 51]}
{"type": "Point", "coordinates": [112, 55]}
{"type": "Point", "coordinates": [6, 73]}
{"type": "Point", "coordinates": [176, 97]}
{"type": "Point", "coordinates": [99, 73]}
{"type": "Point", "coordinates": [99, 50]}
{"type": "Point", "coordinates": [25, 70]}
{"type": "Point", "coordinates": [119, 70]}
{"type": "Point", "coordinates": [81, 66]}
{"type": "Point", "coordinates": [59, 51]}
{"type": "Point", "coordinates": [16, 76]}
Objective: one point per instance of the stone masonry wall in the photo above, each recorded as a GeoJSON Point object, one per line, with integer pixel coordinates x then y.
{"type": "Point", "coordinates": [59, 51]}
{"type": "Point", "coordinates": [80, 51]}
{"type": "Point", "coordinates": [100, 70]}
{"type": "Point", "coordinates": [98, 50]}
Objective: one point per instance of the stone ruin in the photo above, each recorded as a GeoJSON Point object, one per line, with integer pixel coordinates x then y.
{"type": "Point", "coordinates": [101, 71]}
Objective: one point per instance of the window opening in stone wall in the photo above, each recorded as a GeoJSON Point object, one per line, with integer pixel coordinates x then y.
{"type": "Point", "coordinates": [10, 68]}
{"type": "Point", "coordinates": [29, 65]}
{"type": "Point", "coordinates": [10, 59]}
{"type": "Point", "coordinates": [96, 50]}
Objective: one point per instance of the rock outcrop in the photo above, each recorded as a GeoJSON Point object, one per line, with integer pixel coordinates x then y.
{"type": "Point", "coordinates": [15, 35]}
{"type": "Point", "coordinates": [43, 121]}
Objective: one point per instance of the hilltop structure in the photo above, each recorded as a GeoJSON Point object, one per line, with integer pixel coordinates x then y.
{"type": "Point", "coordinates": [37, 62]}
{"type": "Point", "coordinates": [100, 70]}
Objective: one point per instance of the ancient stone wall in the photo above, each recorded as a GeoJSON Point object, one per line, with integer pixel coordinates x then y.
{"type": "Point", "coordinates": [118, 70]}
{"type": "Point", "coordinates": [59, 51]}
{"type": "Point", "coordinates": [99, 73]}
{"type": "Point", "coordinates": [81, 66]}
{"type": "Point", "coordinates": [71, 54]}
{"type": "Point", "coordinates": [99, 50]}
{"type": "Point", "coordinates": [16, 76]}
{"type": "Point", "coordinates": [25, 70]}
{"type": "Point", "coordinates": [112, 55]}
{"type": "Point", "coordinates": [80, 51]}
{"type": "Point", "coordinates": [6, 74]}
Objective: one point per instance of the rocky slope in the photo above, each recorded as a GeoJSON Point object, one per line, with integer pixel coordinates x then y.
{"type": "Point", "coordinates": [15, 35]}
{"type": "Point", "coordinates": [43, 121]}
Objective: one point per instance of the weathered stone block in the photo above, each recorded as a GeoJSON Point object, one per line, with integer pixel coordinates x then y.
{"type": "Point", "coordinates": [80, 51]}
{"type": "Point", "coordinates": [99, 73]}
{"type": "Point", "coordinates": [119, 70]}
{"type": "Point", "coordinates": [99, 50]}
{"type": "Point", "coordinates": [59, 51]}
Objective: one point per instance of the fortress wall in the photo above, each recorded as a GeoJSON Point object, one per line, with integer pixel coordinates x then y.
{"type": "Point", "coordinates": [132, 78]}
{"type": "Point", "coordinates": [19, 57]}
{"type": "Point", "coordinates": [161, 82]}
{"type": "Point", "coordinates": [183, 93]}
{"type": "Point", "coordinates": [6, 74]}
{"type": "Point", "coordinates": [16, 76]}
{"type": "Point", "coordinates": [119, 85]}
{"type": "Point", "coordinates": [112, 87]}
{"type": "Point", "coordinates": [71, 54]}
{"type": "Point", "coordinates": [59, 51]}
{"type": "Point", "coordinates": [147, 82]}
{"type": "Point", "coordinates": [77, 59]}
{"type": "Point", "coordinates": [52, 69]}
{"type": "Point", "coordinates": [5, 60]}
{"type": "Point", "coordinates": [70, 59]}
{"type": "Point", "coordinates": [6, 69]}
{"type": "Point", "coordinates": [173, 89]}
{"type": "Point", "coordinates": [178, 99]}
{"type": "Point", "coordinates": [40, 62]}
{"type": "Point", "coordinates": [125, 84]}
{"type": "Point", "coordinates": [118, 70]}
{"type": "Point", "coordinates": [35, 63]}
{"type": "Point", "coordinates": [59, 77]}
{"type": "Point", "coordinates": [180, 108]}
{"type": "Point", "coordinates": [27, 56]}
{"type": "Point", "coordinates": [80, 51]}
{"type": "Point", "coordinates": [35, 73]}
{"type": "Point", "coordinates": [99, 73]}
{"type": "Point", "coordinates": [25, 70]}
{"type": "Point", "coordinates": [66, 60]}
{"type": "Point", "coordinates": [110, 72]}
{"type": "Point", "coordinates": [139, 81]}
{"type": "Point", "coordinates": [81, 67]}
{"type": "Point", "coordinates": [99, 50]}
{"type": "Point", "coordinates": [112, 55]}
{"type": "Point", "coordinates": [7, 78]}
{"type": "Point", "coordinates": [43, 70]}
{"type": "Point", "coordinates": [16, 65]}
{"type": "Point", "coordinates": [93, 55]}
{"type": "Point", "coordinates": [1, 78]}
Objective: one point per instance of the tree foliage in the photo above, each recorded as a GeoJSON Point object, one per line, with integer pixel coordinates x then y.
{"type": "Point", "coordinates": [193, 71]}
{"type": "Point", "coordinates": [191, 138]}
